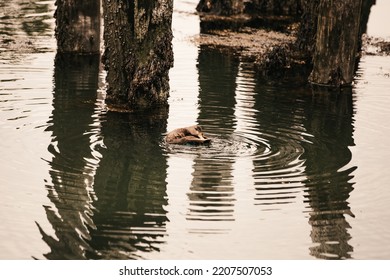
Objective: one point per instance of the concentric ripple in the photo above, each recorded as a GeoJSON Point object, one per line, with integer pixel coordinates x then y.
{"type": "Point", "coordinates": [220, 147]}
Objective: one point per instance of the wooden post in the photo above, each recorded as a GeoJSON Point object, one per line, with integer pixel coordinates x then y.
{"type": "Point", "coordinates": [336, 42]}
{"type": "Point", "coordinates": [78, 26]}
{"type": "Point", "coordinates": [138, 53]}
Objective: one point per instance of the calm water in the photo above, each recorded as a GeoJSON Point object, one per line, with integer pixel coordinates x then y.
{"type": "Point", "coordinates": [292, 173]}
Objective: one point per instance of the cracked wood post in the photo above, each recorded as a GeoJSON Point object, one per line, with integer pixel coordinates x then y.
{"type": "Point", "coordinates": [138, 53]}
{"type": "Point", "coordinates": [78, 26]}
{"type": "Point", "coordinates": [337, 42]}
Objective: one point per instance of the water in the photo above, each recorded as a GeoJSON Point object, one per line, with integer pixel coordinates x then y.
{"type": "Point", "coordinates": [292, 173]}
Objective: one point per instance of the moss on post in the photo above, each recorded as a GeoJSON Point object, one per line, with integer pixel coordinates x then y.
{"type": "Point", "coordinates": [138, 53]}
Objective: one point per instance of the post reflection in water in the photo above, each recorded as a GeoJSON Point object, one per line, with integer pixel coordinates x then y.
{"type": "Point", "coordinates": [279, 170]}
{"type": "Point", "coordinates": [108, 173]}
{"type": "Point", "coordinates": [297, 142]}
{"type": "Point", "coordinates": [308, 134]}
{"type": "Point", "coordinates": [328, 184]}
{"type": "Point", "coordinates": [130, 184]}
{"type": "Point", "coordinates": [72, 165]}
{"type": "Point", "coordinates": [211, 194]}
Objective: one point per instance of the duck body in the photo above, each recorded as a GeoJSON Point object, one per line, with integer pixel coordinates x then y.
{"type": "Point", "coordinates": [187, 135]}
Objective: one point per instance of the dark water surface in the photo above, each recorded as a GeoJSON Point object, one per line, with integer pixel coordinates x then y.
{"type": "Point", "coordinates": [292, 172]}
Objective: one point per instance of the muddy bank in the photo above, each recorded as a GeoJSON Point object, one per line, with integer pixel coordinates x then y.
{"type": "Point", "coordinates": [375, 46]}
{"type": "Point", "coordinates": [249, 42]}
{"type": "Point", "coordinates": [269, 42]}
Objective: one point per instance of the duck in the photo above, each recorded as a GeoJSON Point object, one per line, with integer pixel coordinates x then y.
{"type": "Point", "coordinates": [187, 135]}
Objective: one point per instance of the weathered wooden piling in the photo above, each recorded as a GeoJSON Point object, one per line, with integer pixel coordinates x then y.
{"type": "Point", "coordinates": [337, 40]}
{"type": "Point", "coordinates": [138, 53]}
{"type": "Point", "coordinates": [78, 26]}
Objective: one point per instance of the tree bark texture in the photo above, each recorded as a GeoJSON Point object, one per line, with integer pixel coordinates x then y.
{"type": "Point", "coordinates": [78, 26]}
{"type": "Point", "coordinates": [336, 42]}
{"type": "Point", "coordinates": [138, 53]}
{"type": "Point", "coordinates": [221, 7]}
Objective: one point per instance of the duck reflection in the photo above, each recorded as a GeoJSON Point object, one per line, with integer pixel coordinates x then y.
{"type": "Point", "coordinates": [130, 183]}
{"type": "Point", "coordinates": [329, 119]}
{"type": "Point", "coordinates": [72, 165]}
